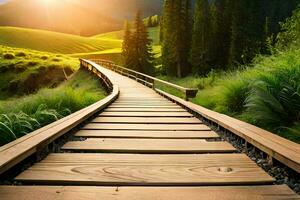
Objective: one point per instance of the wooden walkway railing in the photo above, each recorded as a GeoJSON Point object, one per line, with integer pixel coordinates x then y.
{"type": "Point", "coordinates": [145, 79]}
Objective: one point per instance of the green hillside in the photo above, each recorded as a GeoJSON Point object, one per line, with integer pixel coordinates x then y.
{"type": "Point", "coordinates": [118, 35]}
{"type": "Point", "coordinates": [114, 54]}
{"type": "Point", "coordinates": [54, 42]}
{"type": "Point", "coordinates": [24, 71]}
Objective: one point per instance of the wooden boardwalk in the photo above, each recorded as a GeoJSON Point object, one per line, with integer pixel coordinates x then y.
{"type": "Point", "coordinates": [145, 147]}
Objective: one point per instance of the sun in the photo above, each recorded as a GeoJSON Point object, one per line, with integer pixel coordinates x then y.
{"type": "Point", "coordinates": [49, 2]}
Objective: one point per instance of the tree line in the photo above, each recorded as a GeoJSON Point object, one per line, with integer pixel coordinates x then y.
{"type": "Point", "coordinates": [218, 34]}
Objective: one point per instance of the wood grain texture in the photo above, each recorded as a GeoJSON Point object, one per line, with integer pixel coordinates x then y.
{"type": "Point", "coordinates": [273, 192]}
{"type": "Point", "coordinates": [151, 127]}
{"type": "Point", "coordinates": [137, 169]}
{"type": "Point", "coordinates": [147, 134]}
{"type": "Point", "coordinates": [148, 120]}
{"type": "Point", "coordinates": [146, 114]}
{"type": "Point", "coordinates": [277, 147]}
{"type": "Point", "coordinates": [146, 106]}
{"type": "Point", "coordinates": [149, 146]}
{"type": "Point", "coordinates": [18, 150]}
{"type": "Point", "coordinates": [145, 110]}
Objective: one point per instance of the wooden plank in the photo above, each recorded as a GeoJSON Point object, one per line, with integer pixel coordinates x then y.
{"type": "Point", "coordinates": [147, 134]}
{"type": "Point", "coordinates": [148, 146]}
{"type": "Point", "coordinates": [146, 106]}
{"type": "Point", "coordinates": [18, 150]}
{"type": "Point", "coordinates": [283, 150]}
{"type": "Point", "coordinates": [151, 127]}
{"type": "Point", "coordinates": [148, 120]}
{"type": "Point", "coordinates": [140, 169]}
{"type": "Point", "coordinates": [147, 114]}
{"type": "Point", "coordinates": [153, 109]}
{"type": "Point", "coordinates": [270, 192]}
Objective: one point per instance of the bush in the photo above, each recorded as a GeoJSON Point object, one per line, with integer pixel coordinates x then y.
{"type": "Point", "coordinates": [234, 94]}
{"type": "Point", "coordinates": [8, 56]}
{"type": "Point", "coordinates": [274, 99]}
{"type": "Point", "coordinates": [21, 54]}
{"type": "Point", "coordinates": [44, 57]}
{"type": "Point", "coordinates": [23, 115]}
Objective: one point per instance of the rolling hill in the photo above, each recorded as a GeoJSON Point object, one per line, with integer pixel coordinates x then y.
{"type": "Point", "coordinates": [114, 54]}
{"type": "Point", "coordinates": [54, 42]}
{"type": "Point", "coordinates": [76, 16]}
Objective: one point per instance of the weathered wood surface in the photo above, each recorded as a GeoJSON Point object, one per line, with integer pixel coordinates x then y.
{"type": "Point", "coordinates": [151, 127]}
{"type": "Point", "coordinates": [148, 120]}
{"type": "Point", "coordinates": [137, 106]}
{"type": "Point", "coordinates": [147, 193]}
{"type": "Point", "coordinates": [147, 134]}
{"type": "Point", "coordinates": [145, 114]}
{"type": "Point", "coordinates": [160, 170]}
{"type": "Point", "coordinates": [145, 140]}
{"type": "Point", "coordinates": [153, 109]}
{"type": "Point", "coordinates": [281, 149]}
{"type": "Point", "coordinates": [18, 150]}
{"type": "Point", "coordinates": [149, 146]}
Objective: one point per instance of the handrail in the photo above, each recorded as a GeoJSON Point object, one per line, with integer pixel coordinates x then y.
{"type": "Point", "coordinates": [145, 79]}
{"type": "Point", "coordinates": [15, 152]}
{"type": "Point", "coordinates": [281, 149]}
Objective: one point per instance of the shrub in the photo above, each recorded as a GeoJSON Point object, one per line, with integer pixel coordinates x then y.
{"type": "Point", "coordinates": [56, 60]}
{"type": "Point", "coordinates": [44, 57]}
{"type": "Point", "coordinates": [32, 63]}
{"type": "Point", "coordinates": [274, 99]}
{"type": "Point", "coordinates": [234, 94]}
{"type": "Point", "coordinates": [8, 56]}
{"type": "Point", "coordinates": [21, 54]}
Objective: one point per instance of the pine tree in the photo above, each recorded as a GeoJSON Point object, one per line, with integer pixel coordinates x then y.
{"type": "Point", "coordinates": [199, 54]}
{"type": "Point", "coordinates": [127, 47]}
{"type": "Point", "coordinates": [150, 22]}
{"type": "Point", "coordinates": [221, 33]}
{"type": "Point", "coordinates": [176, 37]}
{"type": "Point", "coordinates": [167, 26]}
{"type": "Point", "coordinates": [140, 56]}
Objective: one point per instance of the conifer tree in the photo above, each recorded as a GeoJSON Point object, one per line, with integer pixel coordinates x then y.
{"type": "Point", "coordinates": [140, 57]}
{"type": "Point", "coordinates": [127, 47]}
{"type": "Point", "coordinates": [199, 54]}
{"type": "Point", "coordinates": [221, 36]}
{"type": "Point", "coordinates": [150, 22]}
{"type": "Point", "coordinates": [176, 37]}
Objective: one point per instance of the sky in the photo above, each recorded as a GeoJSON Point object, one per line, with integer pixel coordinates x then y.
{"type": "Point", "coordinates": [2, 1]}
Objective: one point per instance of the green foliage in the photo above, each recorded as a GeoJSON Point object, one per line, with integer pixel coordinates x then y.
{"type": "Point", "coordinates": [265, 94]}
{"type": "Point", "coordinates": [227, 33]}
{"type": "Point", "coordinates": [275, 99]}
{"type": "Point", "coordinates": [20, 116]}
{"type": "Point", "coordinates": [290, 35]}
{"type": "Point", "coordinates": [24, 71]}
{"type": "Point", "coordinates": [137, 50]}
{"type": "Point", "coordinates": [199, 53]}
{"type": "Point", "coordinates": [176, 34]}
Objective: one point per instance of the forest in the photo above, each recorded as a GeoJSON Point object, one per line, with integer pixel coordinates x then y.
{"type": "Point", "coordinates": [241, 55]}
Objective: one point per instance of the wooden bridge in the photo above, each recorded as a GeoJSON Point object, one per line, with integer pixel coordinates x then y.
{"type": "Point", "coordinates": [142, 144]}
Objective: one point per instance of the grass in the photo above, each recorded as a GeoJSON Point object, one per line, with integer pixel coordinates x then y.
{"type": "Point", "coordinates": [118, 35]}
{"type": "Point", "coordinates": [114, 54]}
{"type": "Point", "coordinates": [20, 116]}
{"type": "Point", "coordinates": [266, 94]}
{"type": "Point", "coordinates": [54, 42]}
{"type": "Point", "coordinates": [24, 71]}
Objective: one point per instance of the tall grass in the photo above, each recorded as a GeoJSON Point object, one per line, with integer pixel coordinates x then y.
{"type": "Point", "coordinates": [265, 94]}
{"type": "Point", "coordinates": [20, 116]}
